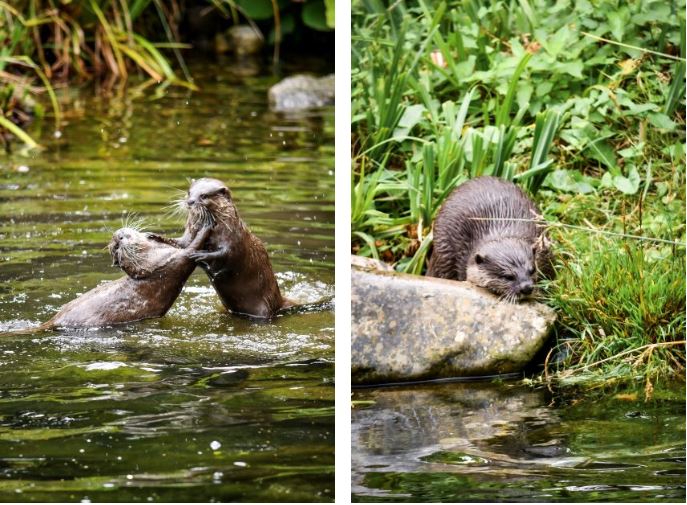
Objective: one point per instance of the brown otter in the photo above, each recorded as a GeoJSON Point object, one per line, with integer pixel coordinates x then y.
{"type": "Point", "coordinates": [155, 276]}
{"type": "Point", "coordinates": [235, 260]}
{"type": "Point", "coordinates": [485, 233]}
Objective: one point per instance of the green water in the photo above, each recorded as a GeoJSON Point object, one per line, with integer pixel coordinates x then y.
{"type": "Point", "coordinates": [198, 405]}
{"type": "Point", "coordinates": [480, 442]}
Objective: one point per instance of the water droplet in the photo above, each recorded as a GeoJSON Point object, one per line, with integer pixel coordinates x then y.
{"type": "Point", "coordinates": [23, 169]}
{"type": "Point", "coordinates": [58, 134]}
{"type": "Point", "coordinates": [242, 464]}
{"type": "Point", "coordinates": [215, 445]}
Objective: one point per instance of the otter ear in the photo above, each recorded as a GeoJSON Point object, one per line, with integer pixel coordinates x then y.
{"type": "Point", "coordinates": [225, 191]}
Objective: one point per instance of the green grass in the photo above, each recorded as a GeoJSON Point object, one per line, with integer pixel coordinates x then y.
{"type": "Point", "coordinates": [47, 43]}
{"type": "Point", "coordinates": [582, 105]}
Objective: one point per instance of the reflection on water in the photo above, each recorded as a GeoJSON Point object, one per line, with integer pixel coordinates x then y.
{"type": "Point", "coordinates": [485, 442]}
{"type": "Point", "coordinates": [198, 405]}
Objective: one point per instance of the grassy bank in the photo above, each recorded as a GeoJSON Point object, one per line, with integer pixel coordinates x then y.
{"type": "Point", "coordinates": [581, 105]}
{"type": "Point", "coordinates": [47, 44]}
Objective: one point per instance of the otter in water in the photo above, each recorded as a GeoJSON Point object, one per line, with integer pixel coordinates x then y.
{"type": "Point", "coordinates": [485, 233]}
{"type": "Point", "coordinates": [235, 260]}
{"type": "Point", "coordinates": [155, 276]}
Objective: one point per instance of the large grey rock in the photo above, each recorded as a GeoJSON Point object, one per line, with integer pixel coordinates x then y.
{"type": "Point", "coordinates": [410, 327]}
{"type": "Point", "coordinates": [300, 92]}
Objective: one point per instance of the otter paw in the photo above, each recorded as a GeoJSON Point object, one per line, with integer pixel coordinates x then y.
{"type": "Point", "coordinates": [154, 236]}
{"type": "Point", "coordinates": [199, 256]}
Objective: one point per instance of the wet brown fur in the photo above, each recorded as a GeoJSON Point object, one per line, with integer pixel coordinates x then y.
{"type": "Point", "coordinates": [234, 259]}
{"type": "Point", "coordinates": [156, 273]}
{"type": "Point", "coordinates": [481, 234]}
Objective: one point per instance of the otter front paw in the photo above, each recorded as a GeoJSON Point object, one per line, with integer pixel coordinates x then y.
{"type": "Point", "coordinates": [155, 236]}
{"type": "Point", "coordinates": [200, 256]}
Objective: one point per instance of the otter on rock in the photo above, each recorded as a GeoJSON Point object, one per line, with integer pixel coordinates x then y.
{"type": "Point", "coordinates": [156, 273]}
{"type": "Point", "coordinates": [482, 235]}
{"type": "Point", "coordinates": [234, 259]}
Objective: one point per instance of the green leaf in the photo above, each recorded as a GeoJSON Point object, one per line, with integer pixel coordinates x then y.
{"type": "Point", "coordinates": [558, 41]}
{"type": "Point", "coordinates": [256, 9]}
{"type": "Point", "coordinates": [331, 11]}
{"type": "Point", "coordinates": [524, 94]}
{"type": "Point", "coordinates": [571, 181]}
{"type": "Point", "coordinates": [573, 68]}
{"type": "Point", "coordinates": [314, 15]}
{"type": "Point", "coordinates": [662, 121]}
{"type": "Point", "coordinates": [624, 185]}
{"type": "Point", "coordinates": [601, 151]}
{"type": "Point", "coordinates": [411, 116]}
{"type": "Point", "coordinates": [633, 151]}
{"type": "Point", "coordinates": [630, 184]}
{"type": "Point", "coordinates": [639, 109]}
{"type": "Point", "coordinates": [617, 21]}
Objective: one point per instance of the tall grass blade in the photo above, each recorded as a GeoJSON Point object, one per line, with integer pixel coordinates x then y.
{"type": "Point", "coordinates": [18, 132]}
{"type": "Point", "coordinates": [503, 112]}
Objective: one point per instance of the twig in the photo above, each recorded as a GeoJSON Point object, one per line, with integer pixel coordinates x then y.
{"type": "Point", "coordinates": [575, 227]}
{"type": "Point", "coordinates": [651, 346]}
{"type": "Point", "coordinates": [678, 58]}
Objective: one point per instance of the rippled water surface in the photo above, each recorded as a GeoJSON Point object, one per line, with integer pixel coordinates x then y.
{"type": "Point", "coordinates": [479, 442]}
{"type": "Point", "coordinates": [198, 405]}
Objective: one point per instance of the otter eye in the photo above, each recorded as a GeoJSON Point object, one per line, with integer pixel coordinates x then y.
{"type": "Point", "coordinates": [479, 259]}
{"type": "Point", "coordinates": [531, 272]}
{"type": "Point", "coordinates": [509, 277]}
{"type": "Point", "coordinates": [204, 196]}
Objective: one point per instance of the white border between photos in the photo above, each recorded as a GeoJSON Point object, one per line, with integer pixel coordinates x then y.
{"type": "Point", "coordinates": [342, 65]}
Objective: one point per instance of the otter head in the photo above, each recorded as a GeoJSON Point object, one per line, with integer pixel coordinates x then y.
{"type": "Point", "coordinates": [208, 201]}
{"type": "Point", "coordinates": [506, 267]}
{"type": "Point", "coordinates": [133, 252]}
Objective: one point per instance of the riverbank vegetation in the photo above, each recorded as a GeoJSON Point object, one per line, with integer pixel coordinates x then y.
{"type": "Point", "coordinates": [583, 105]}
{"type": "Point", "coordinates": [48, 44]}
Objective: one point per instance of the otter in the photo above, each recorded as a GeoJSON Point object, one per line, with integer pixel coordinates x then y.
{"type": "Point", "coordinates": [234, 259]}
{"type": "Point", "coordinates": [156, 273]}
{"type": "Point", "coordinates": [485, 233]}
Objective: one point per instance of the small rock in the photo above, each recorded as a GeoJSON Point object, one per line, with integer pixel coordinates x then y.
{"type": "Point", "coordinates": [300, 92]}
{"type": "Point", "coordinates": [244, 40]}
{"type": "Point", "coordinates": [408, 327]}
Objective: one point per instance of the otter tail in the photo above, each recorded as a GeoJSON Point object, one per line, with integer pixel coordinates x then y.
{"type": "Point", "coordinates": [29, 330]}
{"type": "Point", "coordinates": [305, 308]}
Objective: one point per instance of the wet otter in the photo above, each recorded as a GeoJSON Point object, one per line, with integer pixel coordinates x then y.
{"type": "Point", "coordinates": [155, 276]}
{"type": "Point", "coordinates": [235, 260]}
{"type": "Point", "coordinates": [505, 254]}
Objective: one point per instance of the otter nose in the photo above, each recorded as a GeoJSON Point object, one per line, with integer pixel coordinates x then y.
{"type": "Point", "coordinates": [526, 287]}
{"type": "Point", "coordinates": [191, 202]}
{"type": "Point", "coordinates": [121, 235]}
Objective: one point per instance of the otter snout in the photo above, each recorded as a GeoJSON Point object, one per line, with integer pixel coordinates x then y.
{"type": "Point", "coordinates": [191, 202]}
{"type": "Point", "coordinates": [526, 287]}
{"type": "Point", "coordinates": [123, 234]}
